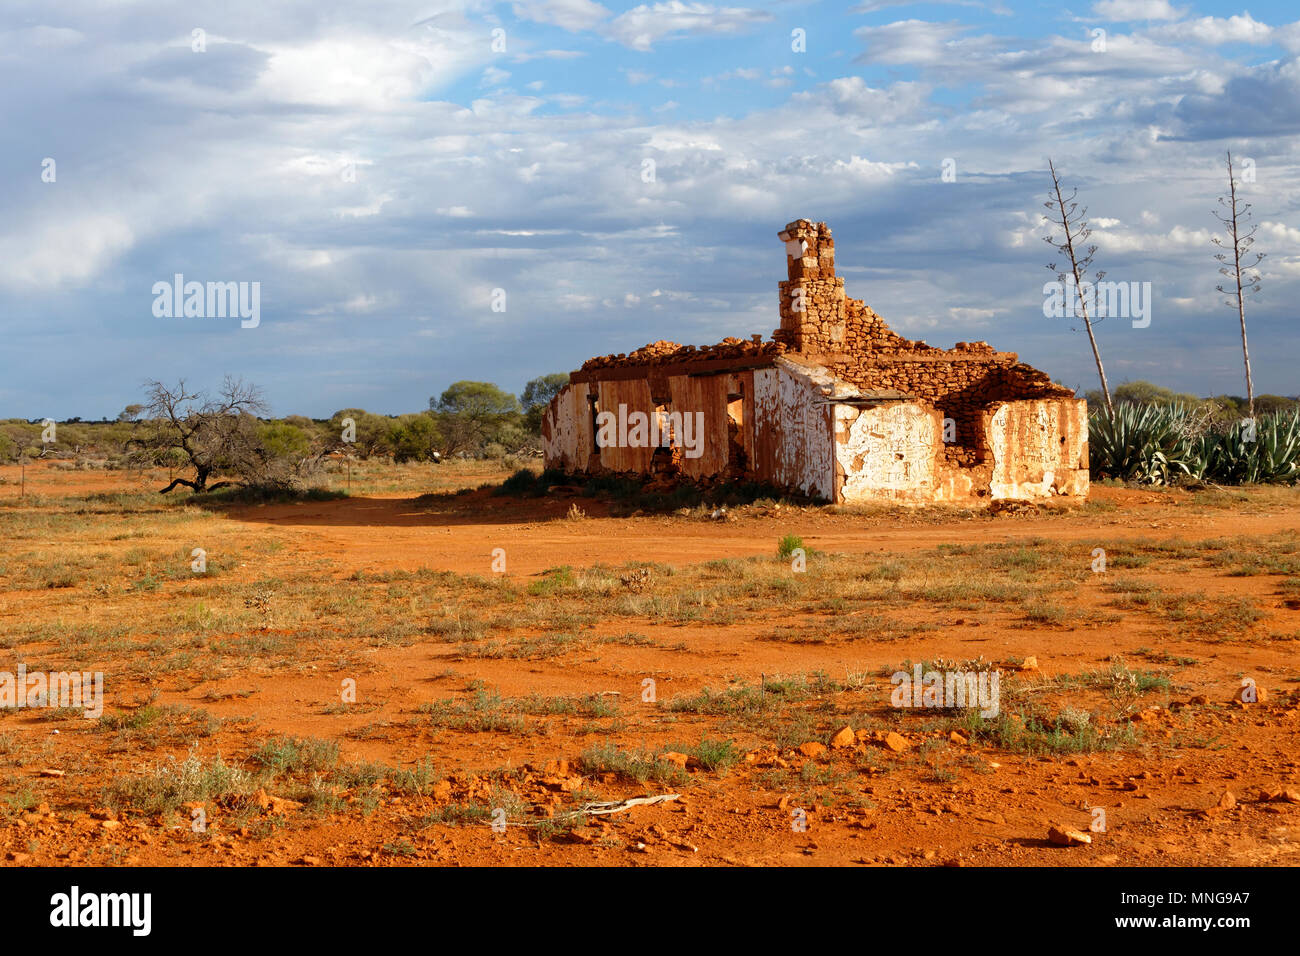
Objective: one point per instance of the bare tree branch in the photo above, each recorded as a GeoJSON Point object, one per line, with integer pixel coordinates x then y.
{"type": "Point", "coordinates": [1239, 266]}
{"type": "Point", "coordinates": [1074, 222]}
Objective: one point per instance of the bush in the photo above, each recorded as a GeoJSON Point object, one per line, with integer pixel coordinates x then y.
{"type": "Point", "coordinates": [788, 545]}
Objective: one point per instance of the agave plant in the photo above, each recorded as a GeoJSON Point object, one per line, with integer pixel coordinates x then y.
{"type": "Point", "coordinates": [1264, 450]}
{"type": "Point", "coordinates": [1154, 444]}
{"type": "Point", "coordinates": [1149, 444]}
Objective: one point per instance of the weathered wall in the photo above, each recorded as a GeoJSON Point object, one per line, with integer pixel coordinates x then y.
{"type": "Point", "coordinates": [707, 394]}
{"type": "Point", "coordinates": [634, 395]}
{"type": "Point", "coordinates": [887, 452]}
{"type": "Point", "coordinates": [1038, 448]}
{"type": "Point", "coordinates": [567, 438]}
{"type": "Point", "coordinates": [820, 322]}
{"type": "Point", "coordinates": [793, 431]}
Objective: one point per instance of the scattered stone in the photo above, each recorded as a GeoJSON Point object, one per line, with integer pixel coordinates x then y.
{"type": "Point", "coordinates": [275, 806]}
{"type": "Point", "coordinates": [1258, 694]}
{"type": "Point", "coordinates": [896, 742]}
{"type": "Point", "coordinates": [812, 749]}
{"type": "Point", "coordinates": [957, 738]}
{"type": "Point", "coordinates": [677, 759]}
{"type": "Point", "coordinates": [1226, 802]}
{"type": "Point", "coordinates": [1064, 837]}
{"type": "Point", "coordinates": [845, 738]}
{"type": "Point", "coordinates": [1029, 664]}
{"type": "Point", "coordinates": [1289, 795]}
{"type": "Point", "coordinates": [50, 772]}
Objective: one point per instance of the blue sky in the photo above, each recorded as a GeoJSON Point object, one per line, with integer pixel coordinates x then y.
{"type": "Point", "coordinates": [379, 168]}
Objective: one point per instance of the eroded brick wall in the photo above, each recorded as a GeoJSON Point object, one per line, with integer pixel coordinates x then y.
{"type": "Point", "coordinates": [843, 334]}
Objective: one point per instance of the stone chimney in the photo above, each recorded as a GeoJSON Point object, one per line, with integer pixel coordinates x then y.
{"type": "Point", "coordinates": [812, 300]}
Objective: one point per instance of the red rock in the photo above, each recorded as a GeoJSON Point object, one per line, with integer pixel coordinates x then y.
{"type": "Point", "coordinates": [896, 742]}
{"type": "Point", "coordinates": [1065, 837]}
{"type": "Point", "coordinates": [1260, 695]}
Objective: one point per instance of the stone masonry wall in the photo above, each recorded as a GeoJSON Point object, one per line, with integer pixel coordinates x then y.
{"type": "Point", "coordinates": [854, 343]}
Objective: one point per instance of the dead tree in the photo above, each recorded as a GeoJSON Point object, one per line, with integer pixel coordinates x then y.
{"type": "Point", "coordinates": [1073, 221]}
{"type": "Point", "coordinates": [1243, 275]}
{"type": "Point", "coordinates": [212, 436]}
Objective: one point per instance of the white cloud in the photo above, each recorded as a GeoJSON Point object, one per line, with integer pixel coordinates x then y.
{"type": "Point", "coordinates": [1150, 243]}
{"type": "Point", "coordinates": [915, 42]}
{"type": "Point", "coordinates": [1129, 10]}
{"type": "Point", "coordinates": [62, 249]}
{"type": "Point", "coordinates": [1214, 31]}
{"type": "Point", "coordinates": [641, 27]}
{"type": "Point", "coordinates": [1278, 232]}
{"type": "Point", "coordinates": [571, 15]}
{"type": "Point", "coordinates": [353, 71]}
{"type": "Point", "coordinates": [969, 315]}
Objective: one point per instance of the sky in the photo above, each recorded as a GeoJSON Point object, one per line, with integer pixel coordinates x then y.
{"type": "Point", "coordinates": [426, 192]}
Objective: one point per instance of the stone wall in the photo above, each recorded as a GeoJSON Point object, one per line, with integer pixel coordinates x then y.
{"type": "Point", "coordinates": [855, 344]}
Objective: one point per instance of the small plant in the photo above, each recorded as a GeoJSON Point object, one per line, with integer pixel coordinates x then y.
{"type": "Point", "coordinates": [400, 848]}
{"type": "Point", "coordinates": [638, 766]}
{"type": "Point", "coordinates": [715, 756]}
{"type": "Point", "coordinates": [788, 545]}
{"type": "Point", "coordinates": [178, 782]}
{"type": "Point", "coordinates": [291, 755]}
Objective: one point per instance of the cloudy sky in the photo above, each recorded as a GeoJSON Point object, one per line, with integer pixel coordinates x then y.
{"type": "Point", "coordinates": [381, 167]}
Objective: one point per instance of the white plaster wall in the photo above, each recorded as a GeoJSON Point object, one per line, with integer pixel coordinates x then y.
{"type": "Point", "coordinates": [793, 437]}
{"type": "Point", "coordinates": [1039, 448]}
{"type": "Point", "coordinates": [566, 427]}
{"type": "Point", "coordinates": [888, 451]}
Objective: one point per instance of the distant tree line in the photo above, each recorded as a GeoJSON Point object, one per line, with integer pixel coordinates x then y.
{"type": "Point", "coordinates": [1225, 407]}
{"type": "Point", "coordinates": [212, 440]}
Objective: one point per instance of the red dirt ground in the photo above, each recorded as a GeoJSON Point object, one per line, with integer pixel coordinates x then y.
{"type": "Point", "coordinates": [1164, 800]}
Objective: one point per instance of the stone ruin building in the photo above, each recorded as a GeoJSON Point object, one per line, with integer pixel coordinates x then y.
{"type": "Point", "coordinates": [834, 406]}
